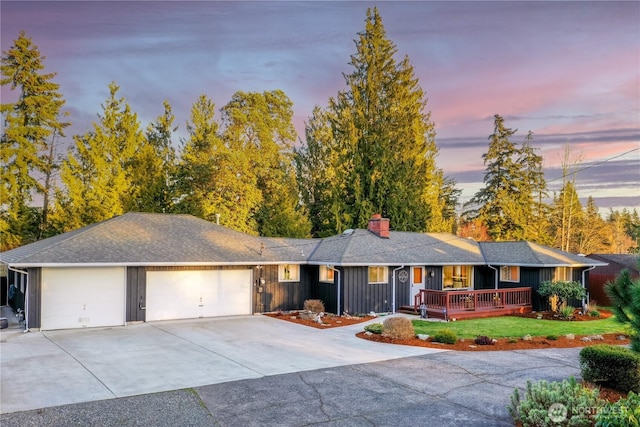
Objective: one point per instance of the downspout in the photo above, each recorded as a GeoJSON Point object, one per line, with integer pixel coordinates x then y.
{"type": "Point", "coordinates": [584, 285]}
{"type": "Point", "coordinates": [26, 296]}
{"type": "Point", "coordinates": [393, 297]}
{"type": "Point", "coordinates": [337, 271]}
{"type": "Point", "coordinates": [495, 286]}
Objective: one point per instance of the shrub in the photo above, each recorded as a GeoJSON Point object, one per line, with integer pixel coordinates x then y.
{"type": "Point", "coordinates": [594, 313]}
{"type": "Point", "coordinates": [625, 412]}
{"type": "Point", "coordinates": [564, 291]}
{"type": "Point", "coordinates": [445, 336]}
{"type": "Point", "coordinates": [612, 366]}
{"type": "Point", "coordinates": [314, 305]}
{"type": "Point", "coordinates": [552, 337]}
{"type": "Point", "coordinates": [535, 409]}
{"type": "Point", "coordinates": [374, 328]}
{"type": "Point", "coordinates": [399, 328]}
{"type": "Point", "coordinates": [483, 340]}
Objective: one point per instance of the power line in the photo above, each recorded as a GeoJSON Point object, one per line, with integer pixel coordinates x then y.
{"type": "Point", "coordinates": [597, 164]}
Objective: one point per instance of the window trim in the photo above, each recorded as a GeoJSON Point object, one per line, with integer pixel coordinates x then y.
{"type": "Point", "coordinates": [385, 275]}
{"type": "Point", "coordinates": [566, 271]}
{"type": "Point", "coordinates": [323, 274]}
{"type": "Point", "coordinates": [508, 277]}
{"type": "Point", "coordinates": [294, 272]}
{"type": "Point", "coordinates": [466, 278]}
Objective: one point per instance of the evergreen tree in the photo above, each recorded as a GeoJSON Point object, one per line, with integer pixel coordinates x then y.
{"type": "Point", "coordinates": [317, 168]}
{"type": "Point", "coordinates": [259, 125]}
{"type": "Point", "coordinates": [27, 145]}
{"type": "Point", "coordinates": [534, 191]}
{"type": "Point", "coordinates": [382, 143]}
{"type": "Point", "coordinates": [153, 165]}
{"type": "Point", "coordinates": [505, 200]}
{"type": "Point", "coordinates": [213, 180]}
{"type": "Point", "coordinates": [98, 173]}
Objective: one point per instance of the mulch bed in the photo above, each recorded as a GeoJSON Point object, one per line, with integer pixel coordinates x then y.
{"type": "Point", "coordinates": [328, 320]}
{"type": "Point", "coordinates": [503, 344]}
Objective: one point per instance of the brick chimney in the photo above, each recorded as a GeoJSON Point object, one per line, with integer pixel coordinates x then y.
{"type": "Point", "coordinates": [379, 226]}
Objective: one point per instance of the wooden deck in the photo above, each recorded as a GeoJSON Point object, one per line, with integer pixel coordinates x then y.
{"type": "Point", "coordinates": [472, 304]}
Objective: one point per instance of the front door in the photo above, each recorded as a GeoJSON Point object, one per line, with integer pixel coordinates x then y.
{"type": "Point", "coordinates": [417, 282]}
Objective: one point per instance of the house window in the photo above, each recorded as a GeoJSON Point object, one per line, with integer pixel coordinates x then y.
{"type": "Point", "coordinates": [377, 275]}
{"type": "Point", "coordinates": [509, 273]}
{"type": "Point", "coordinates": [563, 274]}
{"type": "Point", "coordinates": [326, 274]}
{"type": "Point", "coordinates": [457, 277]}
{"type": "Point", "coordinates": [289, 273]}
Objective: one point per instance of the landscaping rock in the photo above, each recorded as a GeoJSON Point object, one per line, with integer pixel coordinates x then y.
{"type": "Point", "coordinates": [571, 336]}
{"type": "Point", "coordinates": [527, 337]}
{"type": "Point", "coordinates": [423, 337]}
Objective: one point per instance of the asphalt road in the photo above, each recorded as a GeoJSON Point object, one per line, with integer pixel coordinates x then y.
{"type": "Point", "coordinates": [439, 389]}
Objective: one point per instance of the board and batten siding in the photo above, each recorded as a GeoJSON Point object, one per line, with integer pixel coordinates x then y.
{"type": "Point", "coordinates": [136, 294]}
{"type": "Point", "coordinates": [359, 296]}
{"type": "Point", "coordinates": [275, 295]}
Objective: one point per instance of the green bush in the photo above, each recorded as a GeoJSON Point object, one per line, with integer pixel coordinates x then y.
{"type": "Point", "coordinates": [445, 336]}
{"type": "Point", "coordinates": [594, 313]}
{"type": "Point", "coordinates": [623, 413]}
{"type": "Point", "coordinates": [563, 290]}
{"type": "Point", "coordinates": [399, 328]}
{"type": "Point", "coordinates": [612, 366]}
{"type": "Point", "coordinates": [374, 328]}
{"type": "Point", "coordinates": [552, 337]}
{"type": "Point", "coordinates": [536, 409]}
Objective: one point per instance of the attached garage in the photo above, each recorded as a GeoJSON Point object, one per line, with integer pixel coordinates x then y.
{"type": "Point", "coordinates": [189, 294]}
{"type": "Point", "coordinates": [82, 297]}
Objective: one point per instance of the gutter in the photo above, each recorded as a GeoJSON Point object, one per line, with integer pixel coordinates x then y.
{"type": "Point", "coordinates": [496, 276]}
{"type": "Point", "coordinates": [26, 296]}
{"type": "Point", "coordinates": [338, 271]}
{"type": "Point", "coordinates": [393, 296]}
{"type": "Point", "coordinates": [584, 286]}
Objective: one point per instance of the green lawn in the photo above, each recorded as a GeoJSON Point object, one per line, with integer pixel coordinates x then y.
{"type": "Point", "coordinates": [513, 327]}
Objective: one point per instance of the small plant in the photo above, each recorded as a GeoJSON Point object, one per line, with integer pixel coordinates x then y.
{"type": "Point", "coordinates": [512, 341]}
{"type": "Point", "coordinates": [625, 412]}
{"type": "Point", "coordinates": [374, 328]}
{"type": "Point", "coordinates": [484, 340]}
{"type": "Point", "coordinates": [612, 366]}
{"type": "Point", "coordinates": [399, 328]}
{"type": "Point", "coordinates": [445, 336]}
{"type": "Point", "coordinates": [314, 305]}
{"type": "Point", "coordinates": [535, 409]}
{"type": "Point", "coordinates": [567, 312]}
{"type": "Point", "coordinates": [552, 337]}
{"type": "Point", "coordinates": [594, 313]}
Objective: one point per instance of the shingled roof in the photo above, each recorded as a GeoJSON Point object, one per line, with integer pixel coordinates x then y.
{"type": "Point", "coordinates": [362, 247]}
{"type": "Point", "coordinates": [166, 239]}
{"type": "Point", "coordinates": [527, 254]}
{"type": "Point", "coordinates": [157, 239]}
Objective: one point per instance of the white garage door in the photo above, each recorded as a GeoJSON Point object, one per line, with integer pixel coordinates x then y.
{"type": "Point", "coordinates": [197, 293]}
{"type": "Point", "coordinates": [82, 297]}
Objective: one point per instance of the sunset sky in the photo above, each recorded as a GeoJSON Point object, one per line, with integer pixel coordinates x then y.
{"type": "Point", "coordinates": [568, 71]}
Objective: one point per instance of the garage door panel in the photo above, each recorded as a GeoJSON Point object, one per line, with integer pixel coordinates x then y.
{"type": "Point", "coordinates": [82, 297]}
{"type": "Point", "coordinates": [188, 294]}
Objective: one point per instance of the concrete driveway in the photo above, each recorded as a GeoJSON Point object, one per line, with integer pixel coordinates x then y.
{"type": "Point", "coordinates": [44, 369]}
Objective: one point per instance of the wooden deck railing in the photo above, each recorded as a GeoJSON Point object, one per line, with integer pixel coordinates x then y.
{"type": "Point", "coordinates": [461, 304]}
